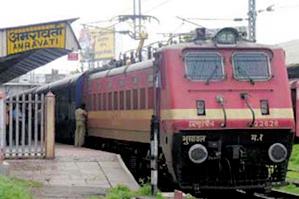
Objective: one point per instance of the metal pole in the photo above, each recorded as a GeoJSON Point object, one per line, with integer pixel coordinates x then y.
{"type": "Point", "coordinates": [2, 120]}
{"type": "Point", "coordinates": [134, 18]}
{"type": "Point", "coordinates": [139, 30]}
{"type": "Point", "coordinates": [155, 130]}
{"type": "Point", "coordinates": [154, 154]}
{"type": "Point", "coordinates": [251, 20]}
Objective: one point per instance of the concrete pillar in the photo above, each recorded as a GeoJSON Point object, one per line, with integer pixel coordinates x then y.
{"type": "Point", "coordinates": [50, 125]}
{"type": "Point", "coordinates": [2, 121]}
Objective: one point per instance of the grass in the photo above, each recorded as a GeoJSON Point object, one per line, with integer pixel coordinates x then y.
{"type": "Point", "coordinates": [123, 192]}
{"type": "Point", "coordinates": [294, 159]}
{"type": "Point", "coordinates": [13, 188]}
{"type": "Point", "coordinates": [293, 173]}
{"type": "Point", "coordinates": [291, 188]}
{"type": "Point", "coordinates": [293, 176]}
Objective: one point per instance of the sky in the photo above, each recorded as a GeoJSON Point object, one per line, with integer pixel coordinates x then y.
{"type": "Point", "coordinates": [272, 27]}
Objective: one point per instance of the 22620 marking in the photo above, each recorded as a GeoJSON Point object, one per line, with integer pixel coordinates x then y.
{"type": "Point", "coordinates": [266, 123]}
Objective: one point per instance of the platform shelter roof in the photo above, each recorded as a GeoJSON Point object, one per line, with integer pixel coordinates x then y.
{"type": "Point", "coordinates": [25, 48]}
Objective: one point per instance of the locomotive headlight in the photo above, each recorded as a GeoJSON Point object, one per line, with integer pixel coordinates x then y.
{"type": "Point", "coordinates": [198, 153]}
{"type": "Point", "coordinates": [277, 152]}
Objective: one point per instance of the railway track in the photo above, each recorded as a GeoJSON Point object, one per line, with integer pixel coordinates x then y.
{"type": "Point", "coordinates": [274, 194]}
{"type": "Point", "coordinates": [277, 195]}
{"type": "Point", "coordinates": [242, 195]}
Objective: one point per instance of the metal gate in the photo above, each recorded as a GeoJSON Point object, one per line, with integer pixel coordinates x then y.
{"type": "Point", "coordinates": [24, 126]}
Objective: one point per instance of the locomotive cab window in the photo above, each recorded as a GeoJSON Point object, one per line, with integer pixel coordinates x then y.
{"type": "Point", "coordinates": [204, 66]}
{"type": "Point", "coordinates": [251, 66]}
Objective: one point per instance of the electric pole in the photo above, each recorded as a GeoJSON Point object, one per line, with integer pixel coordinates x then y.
{"type": "Point", "coordinates": [137, 18]}
{"type": "Point", "coordinates": [251, 20]}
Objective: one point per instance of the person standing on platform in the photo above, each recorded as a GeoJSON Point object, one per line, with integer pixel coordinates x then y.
{"type": "Point", "coordinates": [81, 116]}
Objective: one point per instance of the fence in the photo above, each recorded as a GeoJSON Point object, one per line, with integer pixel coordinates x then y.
{"type": "Point", "coordinates": [28, 130]}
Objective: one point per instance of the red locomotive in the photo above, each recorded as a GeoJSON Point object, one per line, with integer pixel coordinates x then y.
{"type": "Point", "coordinates": [223, 104]}
{"type": "Point", "coordinates": [226, 118]}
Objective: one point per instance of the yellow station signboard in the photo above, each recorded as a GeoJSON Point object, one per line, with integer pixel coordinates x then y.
{"type": "Point", "coordinates": [104, 39]}
{"type": "Point", "coordinates": [35, 37]}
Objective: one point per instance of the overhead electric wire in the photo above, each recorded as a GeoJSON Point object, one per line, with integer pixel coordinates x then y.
{"type": "Point", "coordinates": [190, 22]}
{"type": "Point", "coordinates": [217, 19]}
{"type": "Point", "coordinates": [287, 6]}
{"type": "Point", "coordinates": [158, 6]}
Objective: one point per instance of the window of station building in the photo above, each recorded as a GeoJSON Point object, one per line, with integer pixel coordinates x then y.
{"type": "Point", "coordinates": [135, 98]}
{"type": "Point", "coordinates": [121, 100]}
{"type": "Point", "coordinates": [150, 98]}
{"type": "Point", "coordinates": [142, 98]}
{"type": "Point", "coordinates": [110, 101]}
{"type": "Point", "coordinates": [115, 100]}
{"type": "Point", "coordinates": [104, 101]}
{"type": "Point", "coordinates": [128, 99]}
{"type": "Point", "coordinates": [204, 66]}
{"type": "Point", "coordinates": [251, 66]}
{"type": "Point", "coordinates": [99, 101]}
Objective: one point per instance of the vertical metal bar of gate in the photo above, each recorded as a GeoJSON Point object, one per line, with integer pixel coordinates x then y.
{"type": "Point", "coordinates": [29, 123]}
{"type": "Point", "coordinates": [42, 124]}
{"type": "Point", "coordinates": [35, 122]}
{"type": "Point", "coordinates": [23, 124]}
{"type": "Point", "coordinates": [2, 122]}
{"type": "Point", "coordinates": [16, 115]}
{"type": "Point", "coordinates": [10, 128]}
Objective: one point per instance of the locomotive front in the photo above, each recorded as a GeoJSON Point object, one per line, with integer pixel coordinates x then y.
{"type": "Point", "coordinates": [226, 114]}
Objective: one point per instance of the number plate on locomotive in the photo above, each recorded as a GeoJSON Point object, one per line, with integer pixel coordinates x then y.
{"type": "Point", "coordinates": [266, 123]}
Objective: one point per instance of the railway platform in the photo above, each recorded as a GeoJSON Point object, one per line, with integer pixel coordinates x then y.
{"type": "Point", "coordinates": [74, 173]}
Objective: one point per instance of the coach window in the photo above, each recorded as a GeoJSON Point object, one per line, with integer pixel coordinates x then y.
{"type": "Point", "coordinates": [150, 79]}
{"type": "Point", "coordinates": [110, 101]}
{"type": "Point", "coordinates": [204, 66]}
{"type": "Point", "coordinates": [150, 96]}
{"type": "Point", "coordinates": [115, 100]}
{"type": "Point", "coordinates": [99, 101]}
{"type": "Point", "coordinates": [251, 66]}
{"type": "Point", "coordinates": [104, 101]}
{"type": "Point", "coordinates": [90, 102]}
{"type": "Point", "coordinates": [121, 100]}
{"type": "Point", "coordinates": [142, 98]}
{"type": "Point", "coordinates": [121, 83]}
{"type": "Point", "coordinates": [135, 80]}
{"type": "Point", "coordinates": [135, 98]}
{"type": "Point", "coordinates": [94, 102]}
{"type": "Point", "coordinates": [110, 84]}
{"type": "Point", "coordinates": [128, 99]}
{"type": "Point", "coordinates": [89, 86]}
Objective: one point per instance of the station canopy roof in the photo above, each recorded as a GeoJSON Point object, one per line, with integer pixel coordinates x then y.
{"type": "Point", "coordinates": [25, 48]}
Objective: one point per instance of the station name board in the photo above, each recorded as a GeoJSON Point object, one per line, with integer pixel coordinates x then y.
{"type": "Point", "coordinates": [35, 37]}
